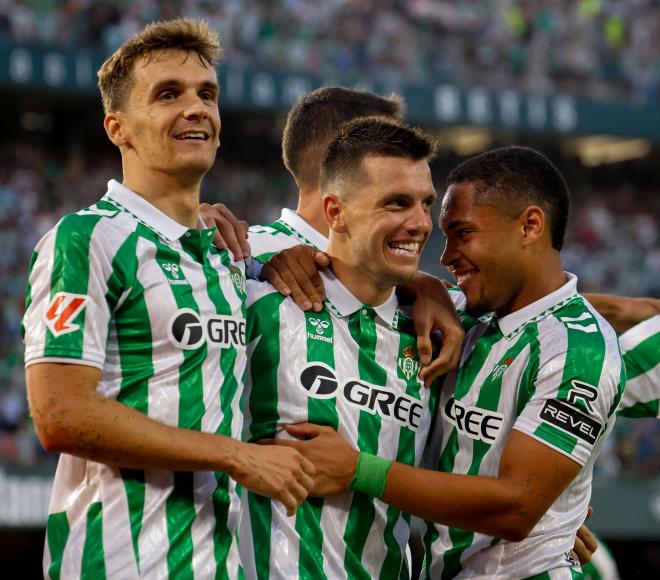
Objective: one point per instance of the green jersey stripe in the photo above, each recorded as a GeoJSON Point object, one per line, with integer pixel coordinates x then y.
{"type": "Point", "coordinates": [362, 511]}
{"type": "Point", "coordinates": [135, 494]}
{"type": "Point", "coordinates": [323, 412]}
{"type": "Point", "coordinates": [93, 562]}
{"type": "Point", "coordinates": [57, 533]}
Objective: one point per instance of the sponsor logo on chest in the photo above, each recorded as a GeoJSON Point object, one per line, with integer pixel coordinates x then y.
{"type": "Point", "coordinates": [188, 330]}
{"type": "Point", "coordinates": [472, 421]}
{"type": "Point", "coordinates": [320, 381]}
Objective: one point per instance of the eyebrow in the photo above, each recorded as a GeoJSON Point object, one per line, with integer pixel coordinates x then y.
{"type": "Point", "coordinates": [167, 83]}
{"type": "Point", "coordinates": [454, 224]}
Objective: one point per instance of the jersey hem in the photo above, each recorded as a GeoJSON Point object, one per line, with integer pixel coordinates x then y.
{"type": "Point", "coordinates": [60, 359]}
{"type": "Point", "coordinates": [525, 429]}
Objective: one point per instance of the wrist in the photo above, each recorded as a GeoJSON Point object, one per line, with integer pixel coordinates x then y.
{"type": "Point", "coordinates": [370, 475]}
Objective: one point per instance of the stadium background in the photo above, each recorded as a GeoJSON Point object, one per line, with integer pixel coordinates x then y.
{"type": "Point", "coordinates": [579, 80]}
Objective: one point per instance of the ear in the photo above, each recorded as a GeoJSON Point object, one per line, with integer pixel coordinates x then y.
{"type": "Point", "coordinates": [532, 224]}
{"type": "Point", "coordinates": [115, 129]}
{"type": "Point", "coordinates": [333, 212]}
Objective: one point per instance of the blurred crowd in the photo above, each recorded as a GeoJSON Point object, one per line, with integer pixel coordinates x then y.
{"type": "Point", "coordinates": [613, 246]}
{"type": "Point", "coordinates": [600, 48]}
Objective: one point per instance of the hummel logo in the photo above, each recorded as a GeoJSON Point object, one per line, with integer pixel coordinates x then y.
{"type": "Point", "coordinates": [319, 325]}
{"type": "Point", "coordinates": [173, 269]}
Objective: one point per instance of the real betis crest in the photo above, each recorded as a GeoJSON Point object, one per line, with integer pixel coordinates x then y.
{"type": "Point", "coordinates": [408, 363]}
{"type": "Point", "coordinates": [237, 278]}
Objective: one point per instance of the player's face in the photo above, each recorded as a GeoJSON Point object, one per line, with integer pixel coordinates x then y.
{"type": "Point", "coordinates": [480, 251]}
{"type": "Point", "coordinates": [388, 219]}
{"type": "Point", "coordinates": [171, 120]}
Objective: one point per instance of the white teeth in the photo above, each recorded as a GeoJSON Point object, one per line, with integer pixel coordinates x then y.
{"type": "Point", "coordinates": [192, 135]}
{"type": "Point", "coordinates": [405, 248]}
{"type": "Point", "coordinates": [460, 278]}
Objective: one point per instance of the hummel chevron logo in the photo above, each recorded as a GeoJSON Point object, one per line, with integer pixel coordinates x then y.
{"type": "Point", "coordinates": [62, 310]}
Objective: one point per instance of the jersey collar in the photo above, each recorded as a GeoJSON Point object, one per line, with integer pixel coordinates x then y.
{"type": "Point", "coordinates": [146, 213]}
{"type": "Point", "coordinates": [340, 300]}
{"type": "Point", "coordinates": [512, 323]}
{"type": "Point", "coordinates": [294, 221]}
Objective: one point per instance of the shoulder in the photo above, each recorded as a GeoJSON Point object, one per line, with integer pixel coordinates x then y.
{"type": "Point", "coordinates": [261, 293]}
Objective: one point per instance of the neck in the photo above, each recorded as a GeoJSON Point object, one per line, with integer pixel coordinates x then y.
{"type": "Point", "coordinates": [309, 209]}
{"type": "Point", "coordinates": [359, 285]}
{"type": "Point", "coordinates": [176, 197]}
{"type": "Point", "coordinates": [539, 282]}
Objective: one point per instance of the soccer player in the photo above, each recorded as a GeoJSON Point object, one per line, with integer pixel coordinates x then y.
{"type": "Point", "coordinates": [310, 126]}
{"type": "Point", "coordinates": [352, 366]}
{"type": "Point", "coordinates": [135, 340]}
{"type": "Point", "coordinates": [524, 417]}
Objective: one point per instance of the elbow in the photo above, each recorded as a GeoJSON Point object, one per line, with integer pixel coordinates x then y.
{"type": "Point", "coordinates": [53, 435]}
{"type": "Point", "coordinates": [519, 525]}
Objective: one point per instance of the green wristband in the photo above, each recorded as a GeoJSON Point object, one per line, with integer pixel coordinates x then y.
{"type": "Point", "coordinates": [370, 475]}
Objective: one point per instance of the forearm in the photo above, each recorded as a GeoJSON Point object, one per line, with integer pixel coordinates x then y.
{"type": "Point", "coordinates": [482, 504]}
{"type": "Point", "coordinates": [624, 313]}
{"type": "Point", "coordinates": [73, 419]}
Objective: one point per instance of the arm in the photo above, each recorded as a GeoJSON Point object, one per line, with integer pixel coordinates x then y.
{"type": "Point", "coordinates": [531, 477]}
{"type": "Point", "coordinates": [623, 313]}
{"type": "Point", "coordinates": [433, 310]}
{"type": "Point", "coordinates": [71, 417]}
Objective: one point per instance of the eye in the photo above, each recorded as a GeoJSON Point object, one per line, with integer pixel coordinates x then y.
{"type": "Point", "coordinates": [397, 202]}
{"type": "Point", "coordinates": [208, 96]}
{"type": "Point", "coordinates": [167, 95]}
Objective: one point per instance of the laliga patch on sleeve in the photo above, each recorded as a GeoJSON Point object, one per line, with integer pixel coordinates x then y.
{"type": "Point", "coordinates": [62, 310]}
{"type": "Point", "coordinates": [571, 420]}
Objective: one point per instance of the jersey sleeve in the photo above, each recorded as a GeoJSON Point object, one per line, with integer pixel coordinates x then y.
{"type": "Point", "coordinates": [641, 356]}
{"type": "Point", "coordinates": [67, 313]}
{"type": "Point", "coordinates": [577, 387]}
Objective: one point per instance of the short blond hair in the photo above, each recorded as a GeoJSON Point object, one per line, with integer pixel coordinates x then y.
{"type": "Point", "coordinates": [186, 34]}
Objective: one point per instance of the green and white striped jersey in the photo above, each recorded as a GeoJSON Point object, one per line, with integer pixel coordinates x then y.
{"type": "Point", "coordinates": [553, 371]}
{"type": "Point", "coordinates": [122, 287]}
{"type": "Point", "coordinates": [640, 347]}
{"type": "Point", "coordinates": [290, 230]}
{"type": "Point", "coordinates": [351, 367]}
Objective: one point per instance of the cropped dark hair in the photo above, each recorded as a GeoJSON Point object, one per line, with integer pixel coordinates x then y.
{"type": "Point", "coordinates": [186, 34]}
{"type": "Point", "coordinates": [371, 136]}
{"type": "Point", "coordinates": [317, 117]}
{"type": "Point", "coordinates": [512, 178]}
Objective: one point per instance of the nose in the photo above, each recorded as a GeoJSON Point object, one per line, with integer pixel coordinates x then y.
{"type": "Point", "coordinates": [449, 253]}
{"type": "Point", "coordinates": [195, 108]}
{"type": "Point", "coordinates": [420, 219]}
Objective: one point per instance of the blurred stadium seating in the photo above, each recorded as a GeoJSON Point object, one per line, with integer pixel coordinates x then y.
{"type": "Point", "coordinates": [54, 157]}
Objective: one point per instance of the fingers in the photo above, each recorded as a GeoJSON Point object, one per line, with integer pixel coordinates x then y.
{"type": "Point", "coordinates": [587, 538]}
{"type": "Point", "coordinates": [304, 430]}
{"type": "Point", "coordinates": [231, 234]}
{"type": "Point", "coordinates": [424, 349]}
{"type": "Point", "coordinates": [447, 359]}
{"type": "Point", "coordinates": [322, 259]}
{"type": "Point", "coordinates": [580, 552]}
{"type": "Point", "coordinates": [447, 283]}
{"type": "Point", "coordinates": [294, 273]}
{"type": "Point", "coordinates": [269, 273]}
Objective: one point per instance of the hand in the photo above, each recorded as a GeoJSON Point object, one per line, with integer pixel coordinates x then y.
{"type": "Point", "coordinates": [585, 542]}
{"type": "Point", "coordinates": [280, 473]}
{"type": "Point", "coordinates": [433, 310]}
{"type": "Point", "coordinates": [335, 460]}
{"type": "Point", "coordinates": [231, 234]}
{"type": "Point", "coordinates": [295, 272]}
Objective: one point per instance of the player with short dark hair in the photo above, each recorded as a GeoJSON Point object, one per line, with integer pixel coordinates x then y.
{"type": "Point", "coordinates": [353, 365]}
{"type": "Point", "coordinates": [523, 418]}
{"type": "Point", "coordinates": [135, 340]}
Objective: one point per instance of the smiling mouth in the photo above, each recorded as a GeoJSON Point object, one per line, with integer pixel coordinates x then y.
{"type": "Point", "coordinates": [463, 276]}
{"type": "Point", "coordinates": [405, 248]}
{"type": "Point", "coordinates": [192, 136]}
